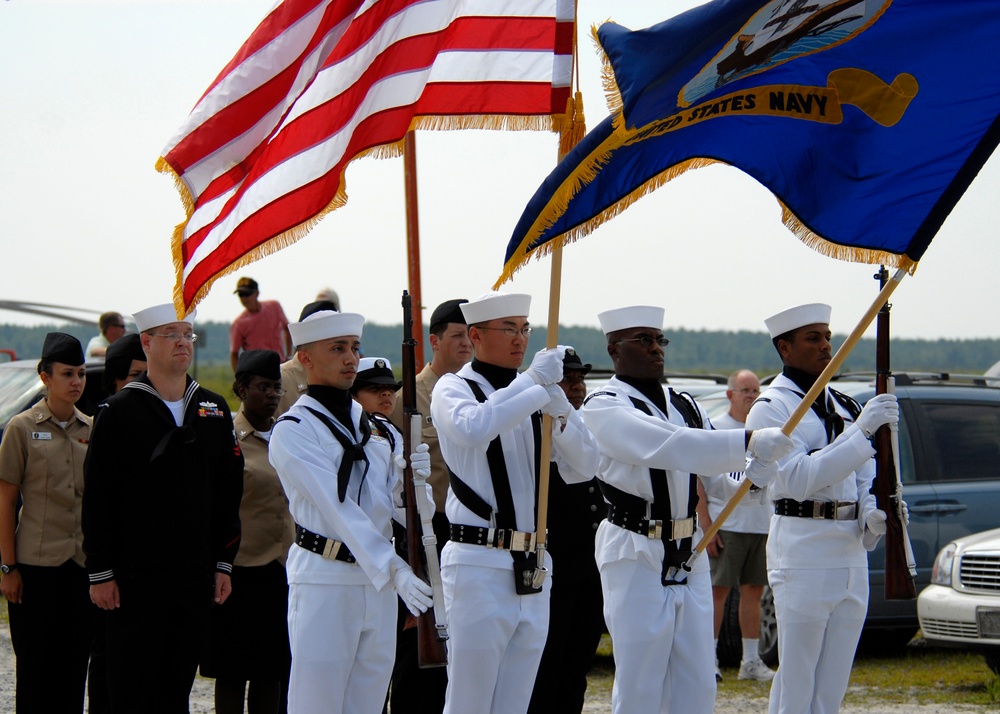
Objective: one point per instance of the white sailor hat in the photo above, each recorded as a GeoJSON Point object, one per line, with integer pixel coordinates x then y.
{"type": "Point", "coordinates": [158, 315]}
{"type": "Point", "coordinates": [493, 305]}
{"type": "Point", "coordinates": [325, 324]}
{"type": "Point", "coordinates": [622, 318]}
{"type": "Point", "coordinates": [799, 316]}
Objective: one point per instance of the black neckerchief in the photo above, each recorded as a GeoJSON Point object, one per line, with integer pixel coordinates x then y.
{"type": "Point", "coordinates": [651, 389]}
{"type": "Point", "coordinates": [824, 408]}
{"type": "Point", "coordinates": [498, 377]}
{"type": "Point", "coordinates": [337, 401]}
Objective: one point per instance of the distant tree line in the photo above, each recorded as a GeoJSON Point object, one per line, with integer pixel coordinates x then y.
{"type": "Point", "coordinates": [699, 351]}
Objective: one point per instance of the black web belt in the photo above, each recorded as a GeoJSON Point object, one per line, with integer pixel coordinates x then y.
{"type": "Point", "coordinates": [499, 538]}
{"type": "Point", "coordinates": [822, 510]}
{"type": "Point", "coordinates": [653, 528]}
{"type": "Point", "coordinates": [321, 545]}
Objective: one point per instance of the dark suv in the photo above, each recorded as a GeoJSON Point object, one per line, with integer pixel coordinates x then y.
{"type": "Point", "coordinates": [949, 440]}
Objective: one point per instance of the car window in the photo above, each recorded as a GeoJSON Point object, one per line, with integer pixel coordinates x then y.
{"type": "Point", "coordinates": [962, 441]}
{"type": "Point", "coordinates": [17, 386]}
{"type": "Point", "coordinates": [907, 473]}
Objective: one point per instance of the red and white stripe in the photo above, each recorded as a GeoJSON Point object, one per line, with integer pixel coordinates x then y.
{"type": "Point", "coordinates": [321, 82]}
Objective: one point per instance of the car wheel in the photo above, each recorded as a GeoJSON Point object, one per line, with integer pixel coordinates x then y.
{"type": "Point", "coordinates": [993, 662]}
{"type": "Point", "coordinates": [730, 649]}
{"type": "Point", "coordinates": [768, 629]}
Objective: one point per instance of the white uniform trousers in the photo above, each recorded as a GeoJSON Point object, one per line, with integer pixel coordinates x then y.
{"type": "Point", "coordinates": [662, 639]}
{"type": "Point", "coordinates": [820, 615]}
{"type": "Point", "coordinates": [496, 640]}
{"type": "Point", "coordinates": [343, 640]}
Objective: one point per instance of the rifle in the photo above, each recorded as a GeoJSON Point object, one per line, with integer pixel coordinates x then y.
{"type": "Point", "coordinates": [432, 629]}
{"type": "Point", "coordinates": [900, 566]}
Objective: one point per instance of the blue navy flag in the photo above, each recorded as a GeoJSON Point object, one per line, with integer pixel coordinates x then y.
{"type": "Point", "coordinates": [867, 119]}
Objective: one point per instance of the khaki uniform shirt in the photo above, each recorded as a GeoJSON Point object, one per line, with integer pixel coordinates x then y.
{"type": "Point", "coordinates": [428, 434]}
{"type": "Point", "coordinates": [45, 461]}
{"type": "Point", "coordinates": [268, 529]}
{"type": "Point", "coordinates": [293, 381]}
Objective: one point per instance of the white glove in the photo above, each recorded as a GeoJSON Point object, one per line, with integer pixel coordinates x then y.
{"type": "Point", "coordinates": [880, 409]}
{"type": "Point", "coordinates": [547, 366]}
{"type": "Point", "coordinates": [761, 473]}
{"type": "Point", "coordinates": [875, 522]}
{"type": "Point", "coordinates": [558, 406]}
{"type": "Point", "coordinates": [769, 444]}
{"type": "Point", "coordinates": [414, 592]}
{"type": "Point", "coordinates": [904, 513]}
{"type": "Point", "coordinates": [420, 461]}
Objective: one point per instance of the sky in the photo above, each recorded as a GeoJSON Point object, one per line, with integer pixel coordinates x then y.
{"type": "Point", "coordinates": [92, 90]}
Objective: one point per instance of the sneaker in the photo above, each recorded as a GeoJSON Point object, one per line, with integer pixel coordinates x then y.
{"type": "Point", "coordinates": [756, 670]}
{"type": "Point", "coordinates": [718, 672]}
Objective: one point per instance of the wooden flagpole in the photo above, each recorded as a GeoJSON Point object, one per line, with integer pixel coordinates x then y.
{"type": "Point", "coordinates": [413, 242]}
{"type": "Point", "coordinates": [806, 403]}
{"type": "Point", "coordinates": [572, 132]}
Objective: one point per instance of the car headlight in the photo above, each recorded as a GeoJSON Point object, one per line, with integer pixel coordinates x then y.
{"type": "Point", "coordinates": [941, 572]}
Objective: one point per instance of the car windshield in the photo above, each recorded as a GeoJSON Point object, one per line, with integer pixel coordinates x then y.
{"type": "Point", "coordinates": [18, 384]}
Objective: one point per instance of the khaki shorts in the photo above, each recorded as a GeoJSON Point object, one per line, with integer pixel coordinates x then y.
{"type": "Point", "coordinates": [742, 562]}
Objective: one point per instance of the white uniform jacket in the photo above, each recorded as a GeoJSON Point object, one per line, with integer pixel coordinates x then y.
{"type": "Point", "coordinates": [751, 515]}
{"type": "Point", "coordinates": [465, 429]}
{"type": "Point", "coordinates": [632, 442]}
{"type": "Point", "coordinates": [816, 471]}
{"type": "Point", "coordinates": [306, 456]}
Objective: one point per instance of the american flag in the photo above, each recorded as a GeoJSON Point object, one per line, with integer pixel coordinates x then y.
{"type": "Point", "coordinates": [319, 83]}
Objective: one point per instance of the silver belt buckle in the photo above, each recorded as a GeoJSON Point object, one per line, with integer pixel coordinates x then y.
{"type": "Point", "coordinates": [654, 529]}
{"type": "Point", "coordinates": [683, 528]}
{"type": "Point", "coordinates": [521, 541]}
{"type": "Point", "coordinates": [331, 549]}
{"type": "Point", "coordinates": [499, 534]}
{"type": "Point", "coordinates": [843, 504]}
{"type": "Point", "coordinates": [818, 509]}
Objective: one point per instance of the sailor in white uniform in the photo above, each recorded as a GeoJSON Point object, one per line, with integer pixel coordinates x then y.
{"type": "Point", "coordinates": [825, 518]}
{"type": "Point", "coordinates": [489, 427]}
{"type": "Point", "coordinates": [341, 477]}
{"type": "Point", "coordinates": [659, 616]}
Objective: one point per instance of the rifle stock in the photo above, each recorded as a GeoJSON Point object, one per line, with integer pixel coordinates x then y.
{"type": "Point", "coordinates": [431, 636]}
{"type": "Point", "coordinates": [898, 580]}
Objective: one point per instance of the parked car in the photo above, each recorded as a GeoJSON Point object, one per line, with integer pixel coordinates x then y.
{"type": "Point", "coordinates": [693, 384]}
{"type": "Point", "coordinates": [961, 606]}
{"type": "Point", "coordinates": [21, 387]}
{"type": "Point", "coordinates": [950, 467]}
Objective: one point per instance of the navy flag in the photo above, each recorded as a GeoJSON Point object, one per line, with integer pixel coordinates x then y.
{"type": "Point", "coordinates": [867, 119]}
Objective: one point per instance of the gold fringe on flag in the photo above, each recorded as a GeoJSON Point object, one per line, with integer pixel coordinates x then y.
{"type": "Point", "coordinates": [554, 123]}
{"type": "Point", "coordinates": [587, 172]}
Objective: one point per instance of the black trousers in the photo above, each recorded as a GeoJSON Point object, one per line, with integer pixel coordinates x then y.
{"type": "Point", "coordinates": [51, 632]}
{"type": "Point", "coordinates": [415, 690]}
{"type": "Point", "coordinates": [155, 641]}
{"type": "Point", "coordinates": [576, 623]}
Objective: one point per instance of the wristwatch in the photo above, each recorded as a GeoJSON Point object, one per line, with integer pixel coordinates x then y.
{"type": "Point", "coordinates": [5, 568]}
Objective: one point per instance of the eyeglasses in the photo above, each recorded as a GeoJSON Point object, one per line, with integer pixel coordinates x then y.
{"type": "Point", "coordinates": [122, 326]}
{"type": "Point", "coordinates": [176, 336]}
{"type": "Point", "coordinates": [267, 389]}
{"type": "Point", "coordinates": [512, 331]}
{"type": "Point", "coordinates": [747, 390]}
{"type": "Point", "coordinates": [647, 341]}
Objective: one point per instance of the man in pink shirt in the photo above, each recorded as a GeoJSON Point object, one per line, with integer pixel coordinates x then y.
{"type": "Point", "coordinates": [261, 326]}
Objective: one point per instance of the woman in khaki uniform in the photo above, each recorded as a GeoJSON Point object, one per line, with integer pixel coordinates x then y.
{"type": "Point", "coordinates": [249, 635]}
{"type": "Point", "coordinates": [41, 548]}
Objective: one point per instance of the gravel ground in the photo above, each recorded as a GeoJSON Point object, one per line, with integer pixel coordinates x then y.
{"type": "Point", "coordinates": [202, 696]}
